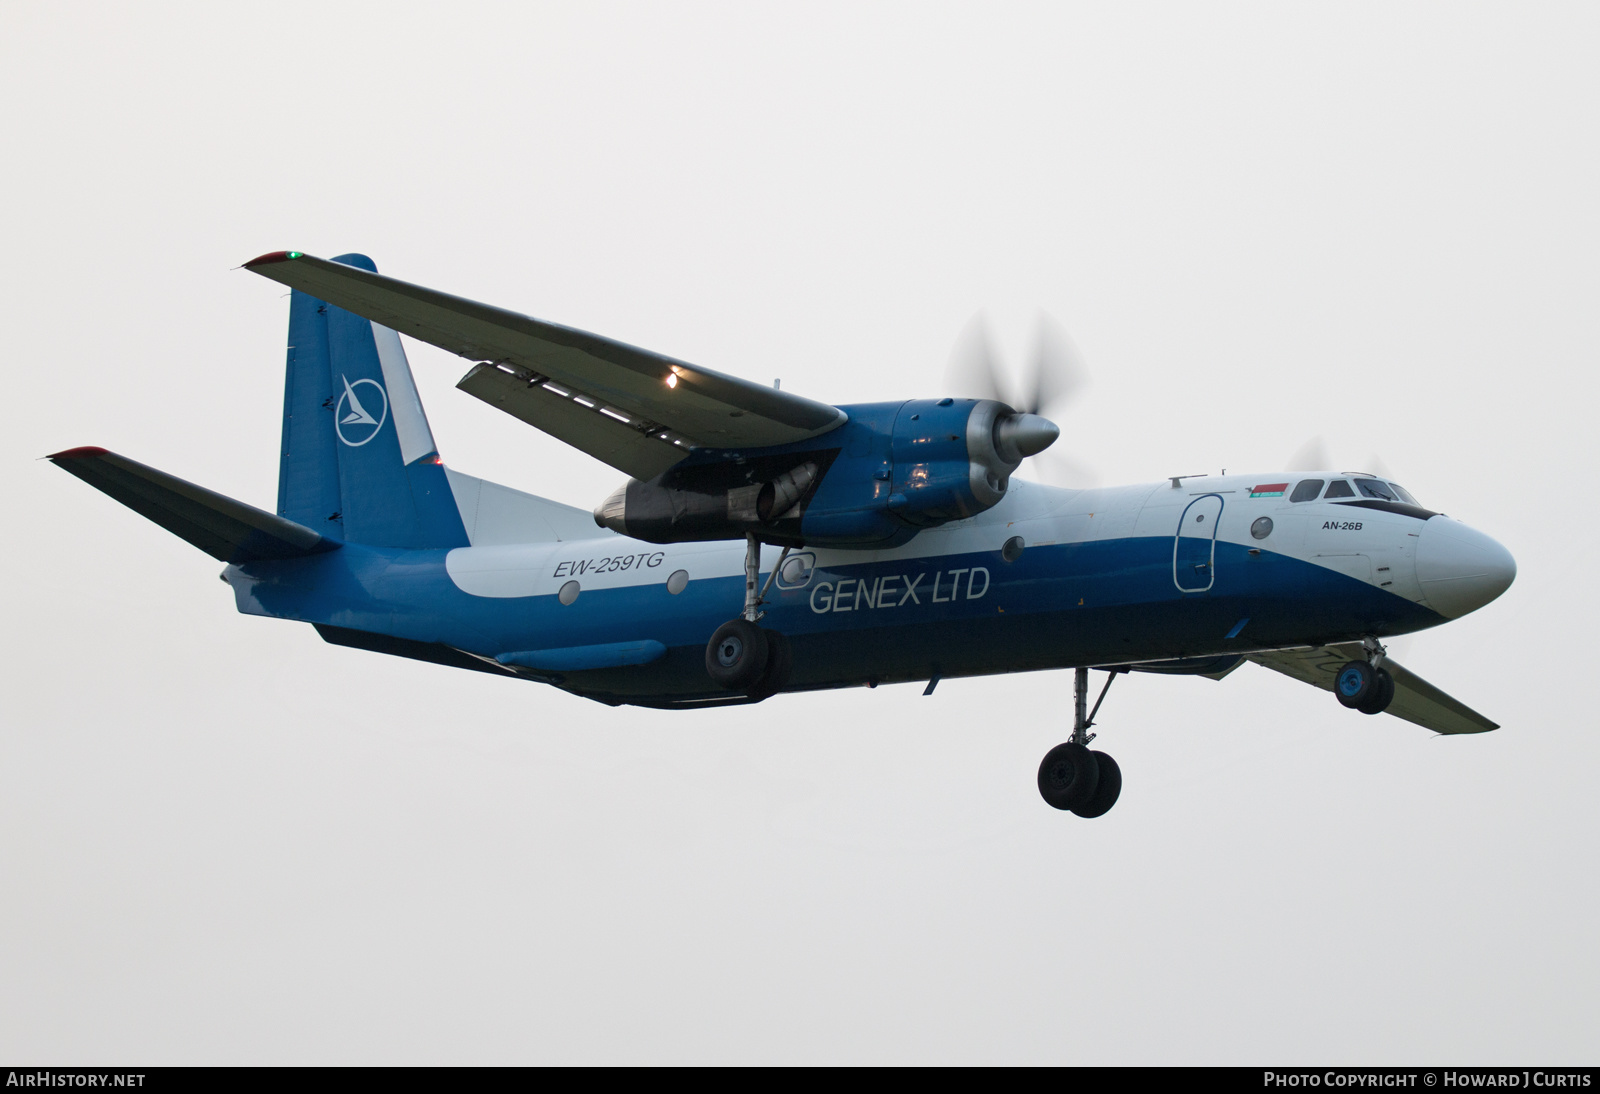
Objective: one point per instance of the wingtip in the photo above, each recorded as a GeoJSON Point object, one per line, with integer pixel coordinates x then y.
{"type": "Point", "coordinates": [84, 453]}
{"type": "Point", "coordinates": [271, 257]}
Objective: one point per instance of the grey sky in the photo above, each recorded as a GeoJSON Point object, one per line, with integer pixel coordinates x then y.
{"type": "Point", "coordinates": [223, 841]}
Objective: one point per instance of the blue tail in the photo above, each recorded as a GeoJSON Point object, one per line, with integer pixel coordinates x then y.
{"type": "Point", "coordinates": [359, 463]}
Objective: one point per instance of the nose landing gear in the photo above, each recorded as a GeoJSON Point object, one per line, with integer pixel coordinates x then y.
{"type": "Point", "coordinates": [1365, 685]}
{"type": "Point", "coordinates": [1073, 778]}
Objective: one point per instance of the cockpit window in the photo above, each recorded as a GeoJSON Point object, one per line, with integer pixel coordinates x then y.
{"type": "Point", "coordinates": [1372, 488]}
{"type": "Point", "coordinates": [1403, 494]}
{"type": "Point", "coordinates": [1338, 488]}
{"type": "Point", "coordinates": [1307, 490]}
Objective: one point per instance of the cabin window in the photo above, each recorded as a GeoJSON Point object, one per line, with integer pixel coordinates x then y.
{"type": "Point", "coordinates": [1307, 490]}
{"type": "Point", "coordinates": [1372, 488]}
{"type": "Point", "coordinates": [1338, 488]}
{"type": "Point", "coordinates": [1403, 494]}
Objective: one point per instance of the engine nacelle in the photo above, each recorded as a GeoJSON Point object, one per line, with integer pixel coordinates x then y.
{"type": "Point", "coordinates": [889, 471]}
{"type": "Point", "coordinates": [716, 501]}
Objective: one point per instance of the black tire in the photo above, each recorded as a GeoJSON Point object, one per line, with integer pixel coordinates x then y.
{"type": "Point", "coordinates": [1106, 791]}
{"type": "Point", "coordinates": [1068, 776]}
{"type": "Point", "coordinates": [736, 656]}
{"type": "Point", "coordinates": [1354, 684]}
{"type": "Point", "coordinates": [1382, 694]}
{"type": "Point", "coordinates": [780, 661]}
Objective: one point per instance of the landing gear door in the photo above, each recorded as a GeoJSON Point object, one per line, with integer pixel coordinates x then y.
{"type": "Point", "coordinates": [1194, 548]}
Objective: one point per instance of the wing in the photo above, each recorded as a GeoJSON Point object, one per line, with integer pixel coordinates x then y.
{"type": "Point", "coordinates": [1415, 699]}
{"type": "Point", "coordinates": [638, 411]}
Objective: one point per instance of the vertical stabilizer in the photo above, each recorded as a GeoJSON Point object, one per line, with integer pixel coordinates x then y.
{"type": "Point", "coordinates": [359, 462]}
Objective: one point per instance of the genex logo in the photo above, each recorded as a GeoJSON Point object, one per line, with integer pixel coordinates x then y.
{"type": "Point", "coordinates": [352, 420]}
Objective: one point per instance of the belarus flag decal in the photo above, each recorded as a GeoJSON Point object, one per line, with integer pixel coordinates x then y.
{"type": "Point", "coordinates": [1270, 490]}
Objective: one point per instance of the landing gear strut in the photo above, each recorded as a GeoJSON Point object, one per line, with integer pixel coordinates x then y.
{"type": "Point", "coordinates": [1072, 777]}
{"type": "Point", "coordinates": [742, 656]}
{"type": "Point", "coordinates": [1366, 685]}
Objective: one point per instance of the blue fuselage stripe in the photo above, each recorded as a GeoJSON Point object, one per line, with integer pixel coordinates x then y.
{"type": "Point", "coordinates": [1097, 603]}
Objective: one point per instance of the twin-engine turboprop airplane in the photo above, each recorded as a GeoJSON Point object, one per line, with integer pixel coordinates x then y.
{"type": "Point", "coordinates": [767, 543]}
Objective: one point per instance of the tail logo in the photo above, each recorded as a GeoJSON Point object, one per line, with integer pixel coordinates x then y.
{"type": "Point", "coordinates": [351, 415]}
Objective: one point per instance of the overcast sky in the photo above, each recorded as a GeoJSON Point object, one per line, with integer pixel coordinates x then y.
{"type": "Point", "coordinates": [224, 841]}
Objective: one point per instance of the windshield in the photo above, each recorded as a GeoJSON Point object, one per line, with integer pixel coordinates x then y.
{"type": "Point", "coordinates": [1386, 491]}
{"type": "Point", "coordinates": [1404, 494]}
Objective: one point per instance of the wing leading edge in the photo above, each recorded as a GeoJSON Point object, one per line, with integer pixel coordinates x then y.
{"type": "Point", "coordinates": [1415, 699]}
{"type": "Point", "coordinates": [636, 410]}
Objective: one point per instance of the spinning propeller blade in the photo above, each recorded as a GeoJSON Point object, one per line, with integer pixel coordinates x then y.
{"type": "Point", "coordinates": [974, 369]}
{"type": "Point", "coordinates": [1309, 457]}
{"type": "Point", "coordinates": [1055, 377]}
{"type": "Point", "coordinates": [1313, 456]}
{"type": "Point", "coordinates": [1058, 372]}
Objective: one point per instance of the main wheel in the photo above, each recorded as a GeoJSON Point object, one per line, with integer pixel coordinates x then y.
{"type": "Point", "coordinates": [779, 663]}
{"type": "Point", "coordinates": [1106, 791]}
{"type": "Point", "coordinates": [1355, 683]}
{"type": "Point", "coordinates": [736, 656]}
{"type": "Point", "coordinates": [1382, 694]}
{"type": "Point", "coordinates": [1068, 776]}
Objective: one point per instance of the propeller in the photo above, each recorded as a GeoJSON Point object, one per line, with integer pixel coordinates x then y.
{"type": "Point", "coordinates": [1313, 456]}
{"type": "Point", "coordinates": [1055, 376]}
{"type": "Point", "coordinates": [1309, 457]}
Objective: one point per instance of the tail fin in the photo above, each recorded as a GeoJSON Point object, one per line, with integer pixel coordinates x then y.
{"type": "Point", "coordinates": [359, 462]}
{"type": "Point", "coordinates": [223, 528]}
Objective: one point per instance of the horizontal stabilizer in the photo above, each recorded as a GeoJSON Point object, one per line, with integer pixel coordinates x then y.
{"type": "Point", "coordinates": [636, 410]}
{"type": "Point", "coordinates": [1415, 699]}
{"type": "Point", "coordinates": [221, 527]}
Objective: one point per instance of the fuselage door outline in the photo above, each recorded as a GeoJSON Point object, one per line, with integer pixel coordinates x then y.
{"type": "Point", "coordinates": [1194, 545]}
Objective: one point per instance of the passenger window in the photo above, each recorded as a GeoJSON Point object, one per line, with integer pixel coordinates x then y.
{"type": "Point", "coordinates": [1403, 494]}
{"type": "Point", "coordinates": [1307, 490]}
{"type": "Point", "coordinates": [1372, 488]}
{"type": "Point", "coordinates": [1338, 488]}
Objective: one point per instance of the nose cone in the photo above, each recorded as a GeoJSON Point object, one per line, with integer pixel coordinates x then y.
{"type": "Point", "coordinates": [1021, 435]}
{"type": "Point", "coordinates": [1461, 569]}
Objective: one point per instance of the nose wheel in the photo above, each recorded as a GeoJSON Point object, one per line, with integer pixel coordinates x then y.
{"type": "Point", "coordinates": [1073, 777]}
{"type": "Point", "coordinates": [1365, 685]}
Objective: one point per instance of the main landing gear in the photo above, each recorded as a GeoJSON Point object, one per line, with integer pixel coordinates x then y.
{"type": "Point", "coordinates": [742, 656]}
{"type": "Point", "coordinates": [1366, 685]}
{"type": "Point", "coordinates": [1072, 777]}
